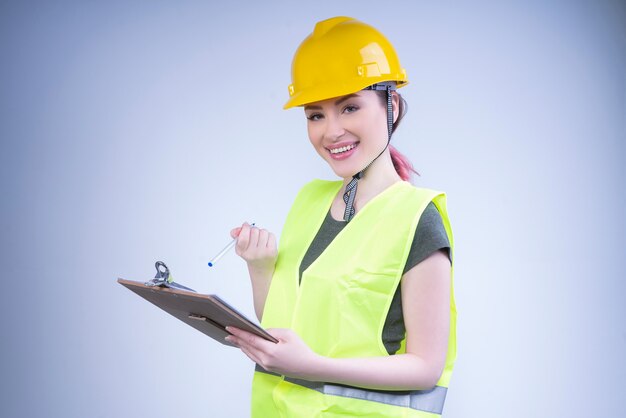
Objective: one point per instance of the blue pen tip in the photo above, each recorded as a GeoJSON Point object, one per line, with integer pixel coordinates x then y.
{"type": "Point", "coordinates": [210, 264]}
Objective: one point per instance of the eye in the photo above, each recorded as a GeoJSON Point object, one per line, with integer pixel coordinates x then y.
{"type": "Point", "coordinates": [314, 117]}
{"type": "Point", "coordinates": [350, 109]}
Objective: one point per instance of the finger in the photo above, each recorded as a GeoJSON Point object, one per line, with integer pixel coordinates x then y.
{"type": "Point", "coordinates": [250, 340]}
{"type": "Point", "coordinates": [263, 237]}
{"type": "Point", "coordinates": [254, 237]}
{"type": "Point", "coordinates": [234, 233]}
{"type": "Point", "coordinates": [233, 330]}
{"type": "Point", "coordinates": [271, 241]}
{"type": "Point", "coordinates": [239, 333]}
{"type": "Point", "coordinates": [243, 240]}
{"type": "Point", "coordinates": [239, 343]}
{"type": "Point", "coordinates": [232, 340]}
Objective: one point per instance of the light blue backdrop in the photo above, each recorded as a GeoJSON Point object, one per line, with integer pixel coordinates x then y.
{"type": "Point", "coordinates": [136, 131]}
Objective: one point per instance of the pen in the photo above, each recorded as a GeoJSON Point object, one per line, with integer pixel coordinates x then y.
{"type": "Point", "coordinates": [224, 251]}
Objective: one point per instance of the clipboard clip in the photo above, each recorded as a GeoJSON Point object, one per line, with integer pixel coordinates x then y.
{"type": "Point", "coordinates": [164, 279]}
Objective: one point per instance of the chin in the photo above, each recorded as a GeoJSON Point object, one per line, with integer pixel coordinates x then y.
{"type": "Point", "coordinates": [345, 168]}
{"type": "Point", "coordinates": [345, 172]}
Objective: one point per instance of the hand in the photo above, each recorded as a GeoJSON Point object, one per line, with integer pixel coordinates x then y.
{"type": "Point", "coordinates": [290, 356]}
{"type": "Point", "coordinates": [257, 247]}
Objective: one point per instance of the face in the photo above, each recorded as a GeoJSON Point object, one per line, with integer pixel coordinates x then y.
{"type": "Point", "coordinates": [348, 131]}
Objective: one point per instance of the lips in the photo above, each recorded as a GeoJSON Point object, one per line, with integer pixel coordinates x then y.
{"type": "Point", "coordinates": [342, 151]}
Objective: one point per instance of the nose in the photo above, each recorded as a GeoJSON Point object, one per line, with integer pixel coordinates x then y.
{"type": "Point", "coordinates": [334, 128]}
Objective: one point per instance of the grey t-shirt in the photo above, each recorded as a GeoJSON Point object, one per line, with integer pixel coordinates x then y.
{"type": "Point", "coordinates": [430, 236]}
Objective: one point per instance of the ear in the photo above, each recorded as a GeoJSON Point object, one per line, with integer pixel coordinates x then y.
{"type": "Point", "coordinates": [395, 105]}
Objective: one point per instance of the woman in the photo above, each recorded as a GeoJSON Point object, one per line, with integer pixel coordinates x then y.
{"type": "Point", "coordinates": [359, 294]}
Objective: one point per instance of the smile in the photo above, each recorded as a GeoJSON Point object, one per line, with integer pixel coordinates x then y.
{"type": "Point", "coordinates": [342, 149]}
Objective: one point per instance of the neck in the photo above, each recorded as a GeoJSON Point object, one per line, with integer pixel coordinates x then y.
{"type": "Point", "coordinates": [378, 177]}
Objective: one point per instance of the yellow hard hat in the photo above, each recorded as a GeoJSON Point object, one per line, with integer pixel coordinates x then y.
{"type": "Point", "coordinates": [341, 56]}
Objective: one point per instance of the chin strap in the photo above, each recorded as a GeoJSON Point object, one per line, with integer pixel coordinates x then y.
{"type": "Point", "coordinates": [350, 194]}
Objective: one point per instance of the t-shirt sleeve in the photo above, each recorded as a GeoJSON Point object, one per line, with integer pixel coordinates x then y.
{"type": "Point", "coordinates": [430, 236]}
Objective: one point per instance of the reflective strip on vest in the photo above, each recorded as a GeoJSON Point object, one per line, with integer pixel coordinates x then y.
{"type": "Point", "coordinates": [430, 400]}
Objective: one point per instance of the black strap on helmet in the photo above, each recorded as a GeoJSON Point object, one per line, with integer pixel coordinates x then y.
{"type": "Point", "coordinates": [350, 193]}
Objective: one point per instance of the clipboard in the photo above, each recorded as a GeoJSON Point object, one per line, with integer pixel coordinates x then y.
{"type": "Point", "coordinates": [208, 314]}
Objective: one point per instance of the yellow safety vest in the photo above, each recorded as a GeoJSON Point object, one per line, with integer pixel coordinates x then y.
{"type": "Point", "coordinates": [340, 305]}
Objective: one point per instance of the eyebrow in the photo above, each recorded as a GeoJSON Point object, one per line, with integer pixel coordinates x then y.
{"type": "Point", "coordinates": [338, 102]}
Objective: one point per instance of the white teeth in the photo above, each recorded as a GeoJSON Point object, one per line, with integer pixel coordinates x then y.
{"type": "Point", "coordinates": [342, 149]}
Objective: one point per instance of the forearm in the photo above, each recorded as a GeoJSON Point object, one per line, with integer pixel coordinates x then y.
{"type": "Point", "coordinates": [260, 279]}
{"type": "Point", "coordinates": [292, 357]}
{"type": "Point", "coordinates": [395, 372]}
{"type": "Point", "coordinates": [258, 248]}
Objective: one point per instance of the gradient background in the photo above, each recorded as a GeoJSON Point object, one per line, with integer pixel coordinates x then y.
{"type": "Point", "coordinates": [141, 131]}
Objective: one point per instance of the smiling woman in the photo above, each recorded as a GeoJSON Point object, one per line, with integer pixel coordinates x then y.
{"type": "Point", "coordinates": [347, 105]}
{"type": "Point", "coordinates": [348, 132]}
{"type": "Point", "coordinates": [359, 293]}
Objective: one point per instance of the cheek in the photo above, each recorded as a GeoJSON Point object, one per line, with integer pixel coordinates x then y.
{"type": "Point", "coordinates": [376, 124]}
{"type": "Point", "coordinates": [315, 134]}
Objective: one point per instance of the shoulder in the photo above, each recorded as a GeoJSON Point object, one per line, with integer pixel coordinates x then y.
{"type": "Point", "coordinates": [435, 200]}
{"type": "Point", "coordinates": [424, 192]}
{"type": "Point", "coordinates": [432, 216]}
{"type": "Point", "coordinates": [418, 198]}
{"type": "Point", "coordinates": [430, 237]}
{"type": "Point", "coordinates": [430, 226]}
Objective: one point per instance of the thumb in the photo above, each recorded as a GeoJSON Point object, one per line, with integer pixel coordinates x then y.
{"type": "Point", "coordinates": [234, 233]}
